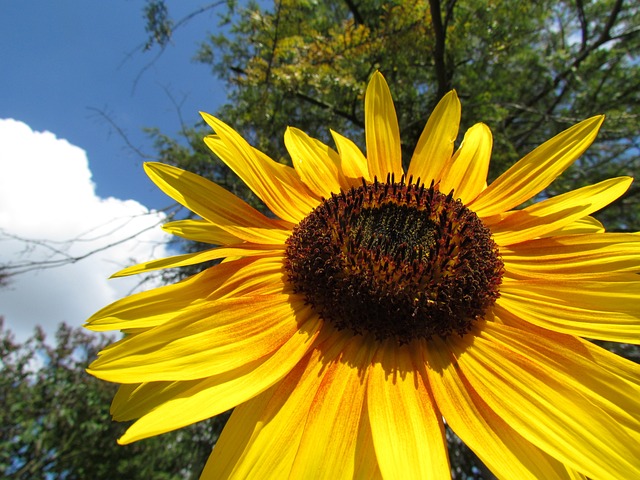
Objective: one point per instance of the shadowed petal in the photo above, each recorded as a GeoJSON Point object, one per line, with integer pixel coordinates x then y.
{"type": "Point", "coordinates": [554, 213]}
{"type": "Point", "coordinates": [315, 162]}
{"type": "Point", "coordinates": [407, 428]}
{"type": "Point", "coordinates": [584, 255]}
{"type": "Point", "coordinates": [584, 225]}
{"type": "Point", "coordinates": [501, 448]}
{"type": "Point", "coordinates": [201, 231]}
{"type": "Point", "coordinates": [538, 404]}
{"type": "Point", "coordinates": [605, 310]}
{"type": "Point", "coordinates": [352, 160]}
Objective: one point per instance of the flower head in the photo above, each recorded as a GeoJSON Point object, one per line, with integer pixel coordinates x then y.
{"type": "Point", "coordinates": [382, 303]}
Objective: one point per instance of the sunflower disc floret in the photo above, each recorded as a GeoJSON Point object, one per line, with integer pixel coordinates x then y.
{"type": "Point", "coordinates": [398, 260]}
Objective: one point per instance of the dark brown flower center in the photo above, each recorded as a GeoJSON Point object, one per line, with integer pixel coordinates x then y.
{"type": "Point", "coordinates": [396, 260]}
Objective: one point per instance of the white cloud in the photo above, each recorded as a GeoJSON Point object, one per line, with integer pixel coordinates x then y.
{"type": "Point", "coordinates": [46, 194]}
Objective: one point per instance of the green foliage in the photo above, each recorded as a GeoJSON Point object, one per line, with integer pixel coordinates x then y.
{"type": "Point", "coordinates": [527, 69]}
{"type": "Point", "coordinates": [55, 420]}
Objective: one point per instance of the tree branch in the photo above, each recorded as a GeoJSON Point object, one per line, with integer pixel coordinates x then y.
{"type": "Point", "coordinates": [357, 18]}
{"type": "Point", "coordinates": [604, 37]}
{"type": "Point", "coordinates": [350, 116]}
{"type": "Point", "coordinates": [583, 24]}
{"type": "Point", "coordinates": [439, 61]}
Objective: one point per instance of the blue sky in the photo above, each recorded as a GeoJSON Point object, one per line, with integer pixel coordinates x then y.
{"type": "Point", "coordinates": [69, 185]}
{"type": "Point", "coordinates": [64, 58]}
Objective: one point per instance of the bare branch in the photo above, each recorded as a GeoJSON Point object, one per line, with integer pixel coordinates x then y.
{"type": "Point", "coordinates": [603, 38]}
{"type": "Point", "coordinates": [57, 252]}
{"type": "Point", "coordinates": [121, 133]}
{"type": "Point", "coordinates": [346, 115]}
{"type": "Point", "coordinates": [448, 18]}
{"type": "Point", "coordinates": [163, 44]}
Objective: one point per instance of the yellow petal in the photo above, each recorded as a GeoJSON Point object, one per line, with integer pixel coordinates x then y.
{"type": "Point", "coordinates": [584, 225]}
{"type": "Point", "coordinates": [245, 276]}
{"type": "Point", "coordinates": [501, 448]}
{"type": "Point", "coordinates": [207, 339]}
{"type": "Point", "coordinates": [615, 365]}
{"type": "Point", "coordinates": [537, 170]}
{"type": "Point", "coordinates": [435, 144]}
{"type": "Point", "coordinates": [554, 213]}
{"type": "Point", "coordinates": [539, 405]}
{"type": "Point", "coordinates": [574, 475]}
{"type": "Point", "coordinates": [154, 307]}
{"type": "Point", "coordinates": [217, 205]}
{"type": "Point", "coordinates": [573, 365]}
{"type": "Point", "coordinates": [604, 310]}
{"type": "Point", "coordinates": [250, 276]}
{"type": "Point", "coordinates": [329, 446]}
{"type": "Point", "coordinates": [243, 250]}
{"type": "Point", "coordinates": [466, 175]}
{"type": "Point", "coordinates": [381, 130]}
{"type": "Point", "coordinates": [407, 428]}
{"type": "Point", "coordinates": [277, 185]}
{"type": "Point", "coordinates": [262, 437]}
{"type": "Point", "coordinates": [188, 402]}
{"type": "Point", "coordinates": [315, 162]}
{"type": "Point", "coordinates": [585, 255]}
{"type": "Point", "coordinates": [352, 161]}
{"type": "Point", "coordinates": [201, 231]}
{"type": "Point", "coordinates": [123, 410]}
{"type": "Point", "coordinates": [366, 463]}
{"type": "Point", "coordinates": [240, 441]}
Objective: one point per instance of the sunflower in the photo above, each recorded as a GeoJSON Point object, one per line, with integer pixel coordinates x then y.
{"type": "Point", "coordinates": [377, 305]}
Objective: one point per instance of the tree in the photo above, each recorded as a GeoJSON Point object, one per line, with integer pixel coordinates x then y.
{"type": "Point", "coordinates": [56, 424]}
{"type": "Point", "coordinates": [527, 69]}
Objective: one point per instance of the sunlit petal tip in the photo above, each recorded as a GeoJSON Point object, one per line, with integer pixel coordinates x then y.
{"type": "Point", "coordinates": [353, 163]}
{"type": "Point", "coordinates": [450, 104]}
{"type": "Point", "coordinates": [209, 119]}
{"type": "Point", "coordinates": [316, 163]}
{"type": "Point", "coordinates": [152, 169]}
{"type": "Point", "coordinates": [466, 172]}
{"type": "Point", "coordinates": [121, 273]}
{"type": "Point", "coordinates": [382, 132]}
{"type": "Point", "coordinates": [435, 145]}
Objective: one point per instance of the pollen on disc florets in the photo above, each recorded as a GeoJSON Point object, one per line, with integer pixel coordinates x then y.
{"type": "Point", "coordinates": [397, 260]}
